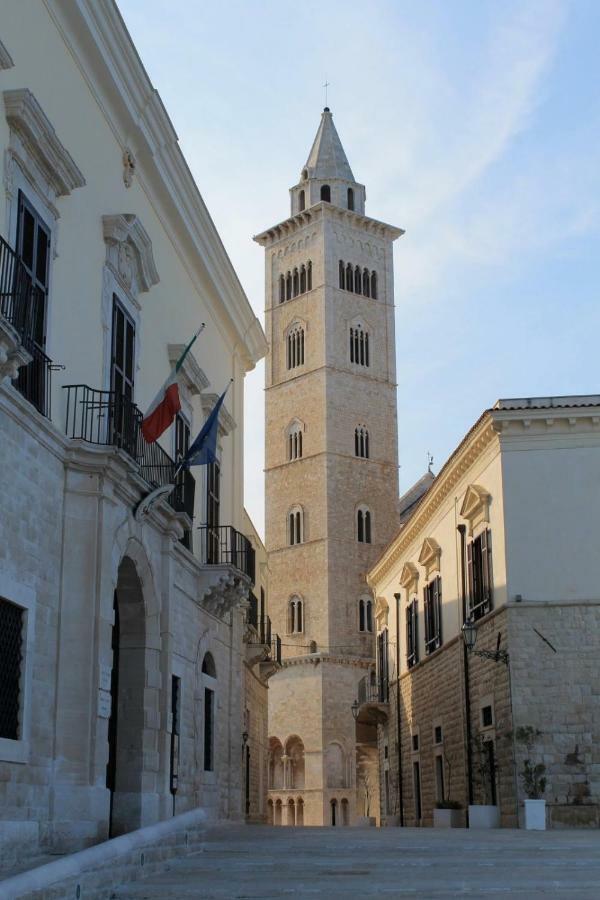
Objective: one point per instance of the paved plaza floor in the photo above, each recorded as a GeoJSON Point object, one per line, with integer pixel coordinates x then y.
{"type": "Point", "coordinates": [263, 862]}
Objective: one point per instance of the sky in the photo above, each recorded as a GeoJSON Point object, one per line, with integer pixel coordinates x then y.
{"type": "Point", "coordinates": [475, 126]}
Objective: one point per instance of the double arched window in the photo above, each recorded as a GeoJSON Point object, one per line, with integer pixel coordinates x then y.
{"type": "Point", "coordinates": [296, 526]}
{"type": "Point", "coordinates": [356, 280]}
{"type": "Point", "coordinates": [295, 347]}
{"type": "Point", "coordinates": [359, 345]}
{"type": "Point", "coordinates": [295, 281]}
{"type": "Point", "coordinates": [294, 441]}
{"type": "Point", "coordinates": [361, 442]}
{"type": "Point", "coordinates": [365, 614]}
{"type": "Point", "coordinates": [363, 525]}
{"type": "Point", "coordinates": [295, 615]}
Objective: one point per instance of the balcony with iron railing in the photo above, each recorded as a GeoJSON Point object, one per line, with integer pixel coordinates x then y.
{"type": "Point", "coordinates": [372, 701]}
{"type": "Point", "coordinates": [223, 545]}
{"type": "Point", "coordinates": [22, 309]}
{"type": "Point", "coordinates": [107, 418]}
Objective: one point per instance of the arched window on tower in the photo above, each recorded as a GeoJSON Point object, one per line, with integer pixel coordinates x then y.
{"type": "Point", "coordinates": [302, 279]}
{"type": "Point", "coordinates": [349, 277]}
{"type": "Point", "coordinates": [363, 525]}
{"type": "Point", "coordinates": [359, 345]}
{"type": "Point", "coordinates": [295, 347]}
{"type": "Point", "coordinates": [366, 287]}
{"type": "Point", "coordinates": [294, 441]}
{"type": "Point", "coordinates": [301, 201]}
{"type": "Point", "coordinates": [288, 286]}
{"type": "Point", "coordinates": [365, 614]}
{"type": "Point", "coordinates": [309, 276]}
{"type": "Point", "coordinates": [342, 275]}
{"type": "Point", "coordinates": [357, 281]}
{"type": "Point", "coordinates": [326, 193]}
{"type": "Point", "coordinates": [374, 285]}
{"type": "Point", "coordinates": [295, 526]}
{"type": "Point", "coordinates": [281, 288]}
{"type": "Point", "coordinates": [361, 442]}
{"type": "Point", "coordinates": [350, 198]}
{"type": "Point", "coordinates": [295, 615]}
{"type": "Point", "coordinates": [296, 283]}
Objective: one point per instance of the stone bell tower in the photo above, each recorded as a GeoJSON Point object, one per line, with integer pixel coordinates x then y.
{"type": "Point", "coordinates": [331, 480]}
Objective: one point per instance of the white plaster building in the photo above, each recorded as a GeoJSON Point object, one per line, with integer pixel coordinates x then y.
{"type": "Point", "coordinates": [331, 480]}
{"type": "Point", "coordinates": [122, 654]}
{"type": "Point", "coordinates": [506, 533]}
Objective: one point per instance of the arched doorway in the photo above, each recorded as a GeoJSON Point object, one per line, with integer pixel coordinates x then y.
{"type": "Point", "coordinates": [125, 768]}
{"type": "Point", "coordinates": [300, 811]}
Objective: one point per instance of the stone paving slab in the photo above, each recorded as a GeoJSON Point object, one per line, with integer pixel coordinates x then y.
{"type": "Point", "coordinates": [243, 862]}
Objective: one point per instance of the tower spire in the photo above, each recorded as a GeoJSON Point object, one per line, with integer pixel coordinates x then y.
{"type": "Point", "coordinates": [327, 158]}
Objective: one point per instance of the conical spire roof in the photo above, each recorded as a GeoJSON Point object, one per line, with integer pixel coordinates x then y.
{"type": "Point", "coordinates": [327, 158]}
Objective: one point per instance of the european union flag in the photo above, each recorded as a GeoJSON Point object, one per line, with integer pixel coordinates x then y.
{"type": "Point", "coordinates": [203, 450]}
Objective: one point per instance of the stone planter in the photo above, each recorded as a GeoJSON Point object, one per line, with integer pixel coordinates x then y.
{"type": "Point", "coordinates": [365, 821]}
{"type": "Point", "coordinates": [534, 815]}
{"type": "Point", "coordinates": [483, 816]}
{"type": "Point", "coordinates": [448, 818]}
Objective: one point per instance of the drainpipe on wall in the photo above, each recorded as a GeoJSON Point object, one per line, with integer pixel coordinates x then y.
{"type": "Point", "coordinates": [462, 530]}
{"type": "Point", "coordinates": [398, 741]}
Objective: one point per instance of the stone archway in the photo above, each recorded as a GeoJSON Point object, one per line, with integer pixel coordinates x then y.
{"type": "Point", "coordinates": [132, 768]}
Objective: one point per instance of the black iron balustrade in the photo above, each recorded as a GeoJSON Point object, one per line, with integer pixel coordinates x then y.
{"type": "Point", "coordinates": [252, 613]}
{"type": "Point", "coordinates": [15, 290]}
{"type": "Point", "coordinates": [23, 307]}
{"type": "Point", "coordinates": [372, 692]}
{"type": "Point", "coordinates": [224, 545]}
{"type": "Point", "coordinates": [276, 649]}
{"type": "Point", "coordinates": [265, 630]}
{"type": "Point", "coordinates": [110, 419]}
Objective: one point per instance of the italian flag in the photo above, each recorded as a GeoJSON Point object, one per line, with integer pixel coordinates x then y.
{"type": "Point", "coordinates": [165, 406]}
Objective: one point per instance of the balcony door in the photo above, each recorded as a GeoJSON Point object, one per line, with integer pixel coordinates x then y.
{"type": "Point", "coordinates": [182, 445]}
{"type": "Point", "coordinates": [33, 248]}
{"type": "Point", "coordinates": [213, 503]}
{"type": "Point", "coordinates": [123, 423]}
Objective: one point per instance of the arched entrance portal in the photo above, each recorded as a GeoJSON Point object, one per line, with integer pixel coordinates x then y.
{"type": "Point", "coordinates": [126, 735]}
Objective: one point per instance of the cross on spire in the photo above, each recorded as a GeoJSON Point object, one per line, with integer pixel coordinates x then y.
{"type": "Point", "coordinates": [326, 85]}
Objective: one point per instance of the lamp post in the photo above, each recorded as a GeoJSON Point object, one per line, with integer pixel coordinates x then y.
{"type": "Point", "coordinates": [469, 633]}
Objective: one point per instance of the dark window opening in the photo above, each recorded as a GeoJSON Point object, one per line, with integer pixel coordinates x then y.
{"type": "Point", "coordinates": [363, 526]}
{"type": "Point", "coordinates": [209, 697]}
{"type": "Point", "coordinates": [412, 645]}
{"type": "Point", "coordinates": [479, 569]}
{"type": "Point", "coordinates": [350, 198]}
{"type": "Point", "coordinates": [11, 657]}
{"type": "Point", "coordinates": [326, 193]}
{"type": "Point", "coordinates": [415, 742]}
{"type": "Point", "coordinates": [182, 444]}
{"type": "Point", "coordinates": [417, 786]}
{"type": "Point", "coordinates": [487, 716]}
{"type": "Point", "coordinates": [309, 276]}
{"type": "Point", "coordinates": [175, 714]}
{"type": "Point", "coordinates": [438, 734]}
{"type": "Point", "coordinates": [301, 201]}
{"type": "Point", "coordinates": [342, 275]}
{"type": "Point", "coordinates": [357, 281]}
{"type": "Point", "coordinates": [213, 512]}
{"type": "Point", "coordinates": [432, 603]}
{"type": "Point", "coordinates": [383, 666]}
{"type": "Point", "coordinates": [374, 285]}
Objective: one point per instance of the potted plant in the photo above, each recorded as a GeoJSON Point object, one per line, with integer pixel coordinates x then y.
{"type": "Point", "coordinates": [486, 814]}
{"type": "Point", "coordinates": [533, 776]}
{"type": "Point", "coordinates": [448, 814]}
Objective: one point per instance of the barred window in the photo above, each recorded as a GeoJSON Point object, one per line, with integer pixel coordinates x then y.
{"type": "Point", "coordinates": [295, 347]}
{"type": "Point", "coordinates": [11, 657]}
{"type": "Point", "coordinates": [295, 442]}
{"type": "Point", "coordinates": [479, 569]}
{"type": "Point", "coordinates": [412, 634]}
{"type": "Point", "coordinates": [363, 525]}
{"type": "Point", "coordinates": [432, 608]}
{"type": "Point", "coordinates": [361, 442]}
{"type": "Point", "coordinates": [295, 615]}
{"type": "Point", "coordinates": [295, 526]}
{"type": "Point", "coordinates": [359, 346]}
{"type": "Point", "coordinates": [365, 614]}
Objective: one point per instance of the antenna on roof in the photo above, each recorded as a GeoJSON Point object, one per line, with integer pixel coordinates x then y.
{"type": "Point", "coordinates": [429, 462]}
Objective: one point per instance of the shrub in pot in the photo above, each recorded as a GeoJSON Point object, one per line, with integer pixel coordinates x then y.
{"type": "Point", "coordinates": [533, 777]}
{"type": "Point", "coordinates": [486, 814]}
{"type": "Point", "coordinates": [448, 814]}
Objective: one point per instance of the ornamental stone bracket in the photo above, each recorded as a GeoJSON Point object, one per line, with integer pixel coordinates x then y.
{"type": "Point", "coordinates": [129, 253]}
{"type": "Point", "coordinates": [13, 355]}
{"type": "Point", "coordinates": [223, 589]}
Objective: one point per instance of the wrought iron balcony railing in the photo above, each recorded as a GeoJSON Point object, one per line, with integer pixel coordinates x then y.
{"type": "Point", "coordinates": [110, 419]}
{"type": "Point", "coordinates": [276, 649]}
{"type": "Point", "coordinates": [372, 692]}
{"type": "Point", "coordinates": [224, 545]}
{"type": "Point", "coordinates": [23, 306]}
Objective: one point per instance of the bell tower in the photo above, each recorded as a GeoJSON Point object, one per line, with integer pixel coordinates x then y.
{"type": "Point", "coordinates": [331, 480]}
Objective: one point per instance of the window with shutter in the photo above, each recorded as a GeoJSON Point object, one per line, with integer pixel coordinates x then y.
{"type": "Point", "coordinates": [479, 570]}
{"type": "Point", "coordinates": [432, 599]}
{"type": "Point", "coordinates": [412, 648]}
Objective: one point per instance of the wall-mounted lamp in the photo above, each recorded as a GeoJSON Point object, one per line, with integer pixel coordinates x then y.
{"type": "Point", "coordinates": [469, 633]}
{"type": "Point", "coordinates": [355, 708]}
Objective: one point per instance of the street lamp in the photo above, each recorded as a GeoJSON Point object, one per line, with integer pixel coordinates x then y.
{"type": "Point", "coordinates": [469, 633]}
{"type": "Point", "coordinates": [355, 708]}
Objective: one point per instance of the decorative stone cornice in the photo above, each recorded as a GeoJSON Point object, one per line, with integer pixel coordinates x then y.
{"type": "Point", "coordinates": [314, 659]}
{"type": "Point", "coordinates": [35, 132]}
{"type": "Point", "coordinates": [226, 421]}
{"type": "Point", "coordinates": [382, 610]}
{"type": "Point", "coordinates": [129, 252]}
{"type": "Point", "coordinates": [409, 577]}
{"type": "Point", "coordinates": [6, 61]}
{"type": "Point", "coordinates": [429, 557]}
{"type": "Point", "coordinates": [475, 506]}
{"type": "Point", "coordinates": [471, 447]}
{"type": "Point", "coordinates": [195, 379]}
{"type": "Point", "coordinates": [295, 223]}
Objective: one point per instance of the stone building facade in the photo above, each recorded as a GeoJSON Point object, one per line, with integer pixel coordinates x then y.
{"type": "Point", "coordinates": [504, 536]}
{"type": "Point", "coordinates": [122, 623]}
{"type": "Point", "coordinates": [331, 479]}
